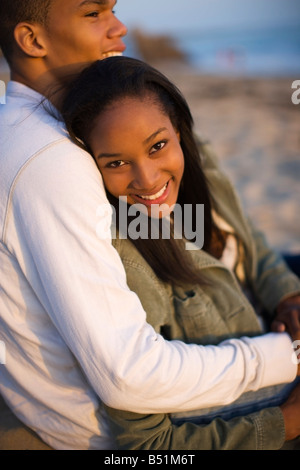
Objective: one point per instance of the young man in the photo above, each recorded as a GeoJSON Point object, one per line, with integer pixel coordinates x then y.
{"type": "Point", "coordinates": [75, 335]}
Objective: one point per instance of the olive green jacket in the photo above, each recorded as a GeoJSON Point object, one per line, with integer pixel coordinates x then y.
{"type": "Point", "coordinates": [208, 315]}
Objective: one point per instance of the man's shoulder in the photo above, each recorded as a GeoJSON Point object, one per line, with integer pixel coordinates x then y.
{"type": "Point", "coordinates": [27, 120]}
{"type": "Point", "coordinates": [30, 128]}
{"type": "Point", "coordinates": [35, 144]}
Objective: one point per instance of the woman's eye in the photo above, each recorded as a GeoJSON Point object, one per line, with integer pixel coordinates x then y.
{"type": "Point", "coordinates": [159, 146]}
{"type": "Point", "coordinates": [115, 164]}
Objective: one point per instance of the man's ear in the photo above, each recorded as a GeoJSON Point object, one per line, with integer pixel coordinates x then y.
{"type": "Point", "coordinates": [29, 38]}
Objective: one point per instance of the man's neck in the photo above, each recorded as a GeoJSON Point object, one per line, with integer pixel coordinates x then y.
{"type": "Point", "coordinates": [49, 83]}
{"type": "Point", "coordinates": [50, 89]}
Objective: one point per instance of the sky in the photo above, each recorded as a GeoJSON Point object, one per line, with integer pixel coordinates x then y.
{"type": "Point", "coordinates": [171, 15]}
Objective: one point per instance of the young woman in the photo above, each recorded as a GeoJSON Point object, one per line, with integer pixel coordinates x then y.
{"type": "Point", "coordinates": [139, 129]}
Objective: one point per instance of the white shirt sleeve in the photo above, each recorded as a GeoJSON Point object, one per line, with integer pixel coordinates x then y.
{"type": "Point", "coordinates": [57, 215]}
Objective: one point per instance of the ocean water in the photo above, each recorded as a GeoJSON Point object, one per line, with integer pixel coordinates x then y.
{"type": "Point", "coordinates": [259, 52]}
{"type": "Point", "coordinates": [269, 52]}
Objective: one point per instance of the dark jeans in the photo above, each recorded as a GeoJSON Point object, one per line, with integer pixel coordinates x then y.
{"type": "Point", "coordinates": [293, 261]}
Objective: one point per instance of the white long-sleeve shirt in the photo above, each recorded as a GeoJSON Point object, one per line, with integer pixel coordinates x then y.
{"type": "Point", "coordinates": [75, 336]}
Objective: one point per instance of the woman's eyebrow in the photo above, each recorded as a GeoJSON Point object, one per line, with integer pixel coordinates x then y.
{"type": "Point", "coordinates": [109, 155]}
{"type": "Point", "coordinates": [155, 134]}
{"type": "Point", "coordinates": [146, 141]}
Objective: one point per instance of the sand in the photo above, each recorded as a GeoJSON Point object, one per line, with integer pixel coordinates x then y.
{"type": "Point", "coordinates": [254, 129]}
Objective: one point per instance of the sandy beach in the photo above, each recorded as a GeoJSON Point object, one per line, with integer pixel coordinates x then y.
{"type": "Point", "coordinates": [254, 128]}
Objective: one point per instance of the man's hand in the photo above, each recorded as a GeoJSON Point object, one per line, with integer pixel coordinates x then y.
{"type": "Point", "coordinates": [291, 414]}
{"type": "Point", "coordinates": [288, 317]}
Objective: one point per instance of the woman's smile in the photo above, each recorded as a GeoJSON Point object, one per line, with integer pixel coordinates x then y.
{"type": "Point", "coordinates": [157, 198]}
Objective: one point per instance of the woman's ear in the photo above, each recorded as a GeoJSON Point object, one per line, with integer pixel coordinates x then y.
{"type": "Point", "coordinates": [29, 38]}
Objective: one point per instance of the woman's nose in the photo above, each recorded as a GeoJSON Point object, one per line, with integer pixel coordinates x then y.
{"type": "Point", "coordinates": [145, 177]}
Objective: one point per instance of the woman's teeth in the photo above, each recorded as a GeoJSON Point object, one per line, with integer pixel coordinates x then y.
{"type": "Point", "coordinates": [154, 196]}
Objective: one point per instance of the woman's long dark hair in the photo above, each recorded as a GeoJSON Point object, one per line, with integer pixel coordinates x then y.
{"type": "Point", "coordinates": [108, 81]}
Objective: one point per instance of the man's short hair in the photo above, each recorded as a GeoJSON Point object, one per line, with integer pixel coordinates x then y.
{"type": "Point", "coordinates": [13, 12]}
